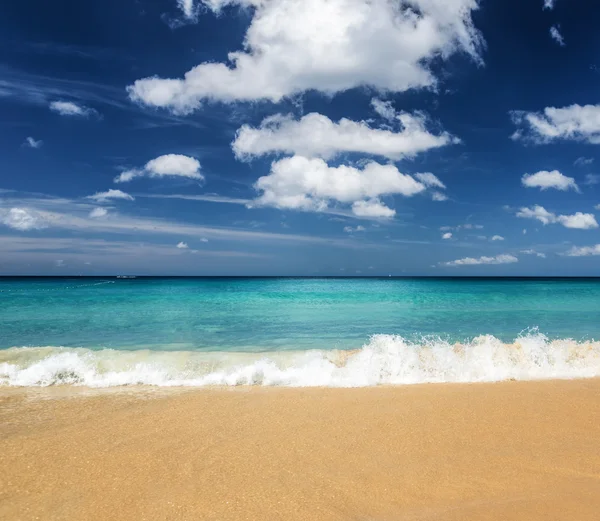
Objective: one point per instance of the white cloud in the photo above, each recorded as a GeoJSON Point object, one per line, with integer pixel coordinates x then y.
{"type": "Point", "coordinates": [98, 213]}
{"type": "Point", "coordinates": [430, 180]}
{"type": "Point", "coordinates": [183, 246]}
{"type": "Point", "coordinates": [582, 221]}
{"type": "Point", "coordinates": [556, 36]}
{"type": "Point", "coordinates": [301, 183]}
{"type": "Point", "coordinates": [102, 197]}
{"type": "Point", "coordinates": [189, 10]}
{"type": "Point", "coordinates": [175, 165]}
{"type": "Point", "coordinates": [315, 135]}
{"type": "Point", "coordinates": [292, 46]}
{"type": "Point", "coordinates": [32, 143]}
{"type": "Point", "coordinates": [204, 239]}
{"type": "Point", "coordinates": [68, 108]}
{"type": "Point", "coordinates": [575, 123]}
{"type": "Point", "coordinates": [372, 209]}
{"type": "Point", "coordinates": [470, 261]}
{"type": "Point", "coordinates": [60, 263]}
{"type": "Point", "coordinates": [537, 212]}
{"type": "Point", "coordinates": [533, 252]}
{"type": "Point", "coordinates": [385, 109]}
{"type": "Point", "coordinates": [584, 251]}
{"type": "Point", "coordinates": [349, 229]}
{"type": "Point", "coordinates": [583, 161]}
{"type": "Point", "coordinates": [545, 180]}
{"type": "Point", "coordinates": [22, 219]}
{"type": "Point", "coordinates": [497, 238]}
{"type": "Point", "coordinates": [549, 4]}
{"type": "Point", "coordinates": [447, 235]}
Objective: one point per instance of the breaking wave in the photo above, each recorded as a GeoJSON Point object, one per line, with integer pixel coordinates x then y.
{"type": "Point", "coordinates": [384, 360]}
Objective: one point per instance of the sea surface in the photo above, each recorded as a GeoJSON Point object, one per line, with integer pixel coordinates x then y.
{"type": "Point", "coordinates": [295, 331]}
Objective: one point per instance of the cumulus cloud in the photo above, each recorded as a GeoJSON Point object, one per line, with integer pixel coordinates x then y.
{"type": "Point", "coordinates": [22, 219]}
{"type": "Point", "coordinates": [32, 143]}
{"type": "Point", "coordinates": [315, 135]}
{"type": "Point", "coordinates": [372, 209]}
{"type": "Point", "coordinates": [174, 165]}
{"type": "Point", "coordinates": [549, 4]}
{"type": "Point", "coordinates": [556, 36]}
{"type": "Point", "coordinates": [497, 238]}
{"type": "Point", "coordinates": [103, 197]}
{"type": "Point", "coordinates": [545, 180]}
{"type": "Point", "coordinates": [579, 220]}
{"type": "Point", "coordinates": [533, 252]}
{"type": "Point", "coordinates": [98, 213]}
{"type": "Point", "coordinates": [68, 108]}
{"type": "Point", "coordinates": [302, 183]}
{"type": "Point", "coordinates": [447, 235]}
{"type": "Point", "coordinates": [182, 246]}
{"type": "Point", "coordinates": [293, 46]}
{"type": "Point", "coordinates": [584, 251]}
{"type": "Point", "coordinates": [574, 123]}
{"type": "Point", "coordinates": [471, 261]}
{"type": "Point", "coordinates": [439, 196]}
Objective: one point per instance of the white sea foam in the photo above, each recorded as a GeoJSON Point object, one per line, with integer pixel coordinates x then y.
{"type": "Point", "coordinates": [385, 360]}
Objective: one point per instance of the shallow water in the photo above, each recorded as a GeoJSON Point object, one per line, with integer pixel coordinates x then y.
{"type": "Point", "coordinates": [102, 332]}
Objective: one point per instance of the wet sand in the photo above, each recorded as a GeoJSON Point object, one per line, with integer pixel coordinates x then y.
{"type": "Point", "coordinates": [509, 451]}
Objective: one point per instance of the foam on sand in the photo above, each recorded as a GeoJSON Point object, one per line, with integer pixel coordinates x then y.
{"type": "Point", "coordinates": [384, 360]}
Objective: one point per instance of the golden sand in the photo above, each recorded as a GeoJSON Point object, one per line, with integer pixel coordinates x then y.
{"type": "Point", "coordinates": [510, 451]}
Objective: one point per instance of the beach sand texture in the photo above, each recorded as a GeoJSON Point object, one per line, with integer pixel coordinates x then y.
{"type": "Point", "coordinates": [506, 451]}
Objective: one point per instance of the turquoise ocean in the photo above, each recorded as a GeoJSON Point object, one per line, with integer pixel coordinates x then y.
{"type": "Point", "coordinates": [339, 332]}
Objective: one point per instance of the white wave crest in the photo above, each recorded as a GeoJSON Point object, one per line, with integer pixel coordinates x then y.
{"type": "Point", "coordinates": [385, 360]}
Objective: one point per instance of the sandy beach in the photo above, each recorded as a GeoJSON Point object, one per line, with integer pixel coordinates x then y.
{"type": "Point", "coordinates": [514, 450]}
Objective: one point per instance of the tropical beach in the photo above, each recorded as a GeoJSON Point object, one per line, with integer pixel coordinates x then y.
{"type": "Point", "coordinates": [299, 260]}
{"type": "Point", "coordinates": [513, 450]}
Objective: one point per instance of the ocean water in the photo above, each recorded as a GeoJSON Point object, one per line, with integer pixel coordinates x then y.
{"type": "Point", "coordinates": [295, 331]}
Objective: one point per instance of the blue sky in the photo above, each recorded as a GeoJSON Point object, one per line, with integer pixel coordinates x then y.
{"type": "Point", "coordinates": [299, 137]}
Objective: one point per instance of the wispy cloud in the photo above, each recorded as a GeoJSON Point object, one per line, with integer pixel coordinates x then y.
{"type": "Point", "coordinates": [212, 198]}
{"type": "Point", "coordinates": [59, 214]}
{"type": "Point", "coordinates": [87, 52]}
{"type": "Point", "coordinates": [583, 161]}
{"type": "Point", "coordinates": [11, 244]}
{"type": "Point", "coordinates": [71, 109]}
{"type": "Point", "coordinates": [556, 36]}
{"type": "Point", "coordinates": [32, 143]}
{"type": "Point", "coordinates": [37, 89]}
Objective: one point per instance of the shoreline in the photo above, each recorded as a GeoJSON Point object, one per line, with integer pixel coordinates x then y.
{"type": "Point", "coordinates": [479, 451]}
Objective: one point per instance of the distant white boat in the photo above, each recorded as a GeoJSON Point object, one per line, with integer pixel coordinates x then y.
{"type": "Point", "coordinates": [126, 276]}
